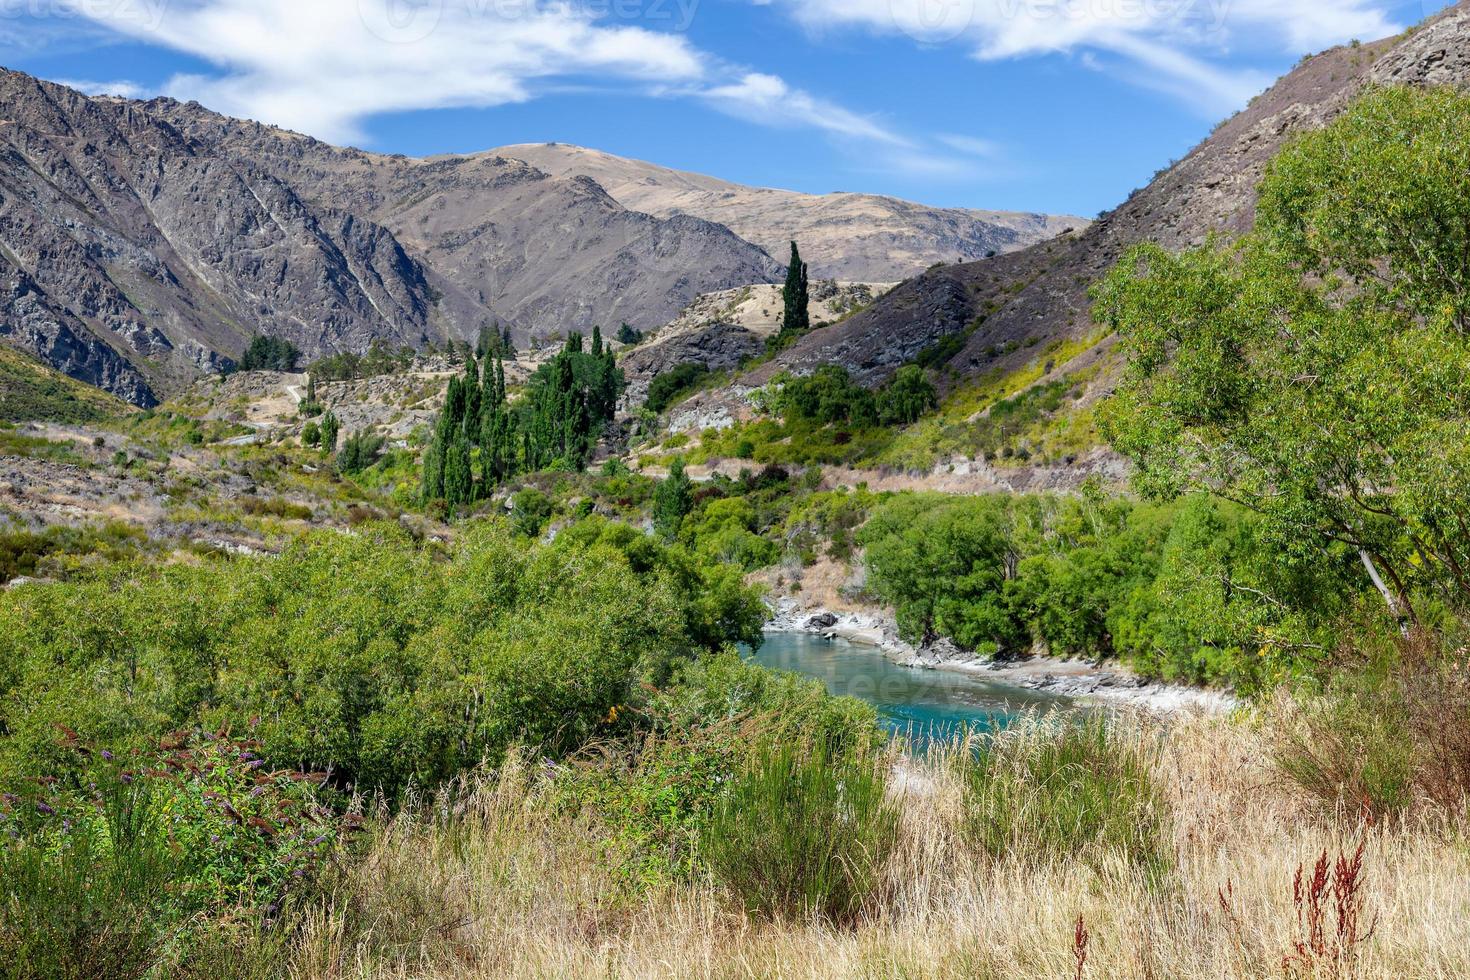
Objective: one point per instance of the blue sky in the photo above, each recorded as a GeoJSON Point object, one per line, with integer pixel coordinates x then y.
{"type": "Point", "coordinates": [1047, 105]}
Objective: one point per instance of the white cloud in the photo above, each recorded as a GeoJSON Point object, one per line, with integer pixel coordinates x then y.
{"type": "Point", "coordinates": [1168, 44]}
{"type": "Point", "coordinates": [322, 66]}
{"type": "Point", "coordinates": [121, 88]}
{"type": "Point", "coordinates": [768, 99]}
{"type": "Point", "coordinates": [971, 145]}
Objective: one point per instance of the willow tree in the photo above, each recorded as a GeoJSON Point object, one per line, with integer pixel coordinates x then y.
{"type": "Point", "coordinates": [1318, 371]}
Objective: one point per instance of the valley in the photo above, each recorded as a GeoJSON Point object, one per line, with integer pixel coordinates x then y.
{"type": "Point", "coordinates": [543, 563]}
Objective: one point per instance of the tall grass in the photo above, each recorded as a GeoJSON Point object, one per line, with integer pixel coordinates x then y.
{"type": "Point", "coordinates": [803, 832]}
{"type": "Point", "coordinates": [492, 881]}
{"type": "Point", "coordinates": [1051, 790]}
{"type": "Point", "coordinates": [86, 905]}
{"type": "Point", "coordinates": [1389, 731]}
{"type": "Point", "coordinates": [156, 862]}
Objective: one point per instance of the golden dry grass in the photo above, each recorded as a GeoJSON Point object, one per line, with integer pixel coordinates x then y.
{"type": "Point", "coordinates": [507, 889]}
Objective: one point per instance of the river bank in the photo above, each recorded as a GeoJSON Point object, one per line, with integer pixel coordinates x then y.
{"type": "Point", "coordinates": [1084, 680]}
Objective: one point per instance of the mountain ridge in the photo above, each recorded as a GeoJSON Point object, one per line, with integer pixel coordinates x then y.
{"type": "Point", "coordinates": [844, 235]}
{"type": "Point", "coordinates": [142, 244]}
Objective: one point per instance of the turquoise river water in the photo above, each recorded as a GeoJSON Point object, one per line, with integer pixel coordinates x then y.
{"type": "Point", "coordinates": [925, 704]}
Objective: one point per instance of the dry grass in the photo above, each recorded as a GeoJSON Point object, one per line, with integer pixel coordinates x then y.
{"type": "Point", "coordinates": [508, 888]}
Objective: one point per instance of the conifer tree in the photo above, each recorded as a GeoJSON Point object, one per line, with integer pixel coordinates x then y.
{"type": "Point", "coordinates": [672, 500]}
{"type": "Point", "coordinates": [459, 478]}
{"type": "Point", "coordinates": [470, 421]}
{"type": "Point", "coordinates": [795, 319]}
{"type": "Point", "coordinates": [330, 427]}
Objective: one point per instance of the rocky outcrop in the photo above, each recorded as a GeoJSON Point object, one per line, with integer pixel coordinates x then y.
{"type": "Point", "coordinates": [718, 346]}
{"type": "Point", "coordinates": [721, 330]}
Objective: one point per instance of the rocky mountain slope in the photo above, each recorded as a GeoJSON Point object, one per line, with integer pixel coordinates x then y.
{"type": "Point", "coordinates": [142, 244]}
{"type": "Point", "coordinates": [719, 330]}
{"type": "Point", "coordinates": [1010, 304]}
{"type": "Point", "coordinates": [545, 253]}
{"type": "Point", "coordinates": [858, 237]}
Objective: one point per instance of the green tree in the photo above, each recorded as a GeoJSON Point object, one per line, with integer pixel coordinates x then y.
{"type": "Point", "coordinates": [1319, 372]}
{"type": "Point", "coordinates": [945, 564]}
{"type": "Point", "coordinates": [311, 434]}
{"type": "Point", "coordinates": [360, 451]}
{"type": "Point", "coordinates": [827, 396]}
{"type": "Point", "coordinates": [668, 386]}
{"type": "Point", "coordinates": [270, 354]}
{"type": "Point", "coordinates": [459, 474]}
{"type": "Point", "coordinates": [331, 426]}
{"type": "Point", "coordinates": [795, 303]}
{"type": "Point", "coordinates": [673, 500]}
{"type": "Point", "coordinates": [908, 397]}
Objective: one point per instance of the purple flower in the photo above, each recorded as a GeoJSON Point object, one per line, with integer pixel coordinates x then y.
{"type": "Point", "coordinates": [43, 808]}
{"type": "Point", "coordinates": [256, 764]}
{"type": "Point", "coordinates": [9, 797]}
{"type": "Point", "coordinates": [317, 841]}
{"type": "Point", "coordinates": [214, 838]}
{"type": "Point", "coordinates": [107, 755]}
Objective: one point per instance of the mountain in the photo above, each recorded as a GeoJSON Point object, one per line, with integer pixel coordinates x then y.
{"type": "Point", "coordinates": [546, 253]}
{"type": "Point", "coordinates": [142, 244]}
{"type": "Point", "coordinates": [1010, 306]}
{"type": "Point", "coordinates": [857, 237]}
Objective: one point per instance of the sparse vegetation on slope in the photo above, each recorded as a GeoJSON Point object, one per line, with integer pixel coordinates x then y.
{"type": "Point", "coordinates": [31, 391]}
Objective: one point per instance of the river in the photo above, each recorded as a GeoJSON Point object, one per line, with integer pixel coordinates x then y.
{"type": "Point", "coordinates": [926, 704]}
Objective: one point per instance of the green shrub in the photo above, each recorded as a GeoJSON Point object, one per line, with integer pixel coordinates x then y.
{"type": "Point", "coordinates": [360, 451]}
{"type": "Point", "coordinates": [531, 509]}
{"type": "Point", "coordinates": [1054, 790]}
{"type": "Point", "coordinates": [119, 873]}
{"type": "Point", "coordinates": [385, 661]}
{"type": "Point", "coordinates": [673, 384]}
{"type": "Point", "coordinates": [270, 354]}
{"type": "Point", "coordinates": [803, 831]}
{"type": "Point", "coordinates": [1388, 729]}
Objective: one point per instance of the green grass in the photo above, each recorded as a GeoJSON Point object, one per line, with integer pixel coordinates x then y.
{"type": "Point", "coordinates": [1039, 422]}
{"type": "Point", "coordinates": [1049, 791]}
{"type": "Point", "coordinates": [803, 832]}
{"type": "Point", "coordinates": [13, 443]}
{"type": "Point", "coordinates": [32, 392]}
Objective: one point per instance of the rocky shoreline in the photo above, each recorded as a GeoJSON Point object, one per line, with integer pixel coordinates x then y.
{"type": "Point", "coordinates": [1067, 678]}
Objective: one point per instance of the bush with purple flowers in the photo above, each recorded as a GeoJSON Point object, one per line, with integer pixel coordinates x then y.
{"type": "Point", "coordinates": [119, 870]}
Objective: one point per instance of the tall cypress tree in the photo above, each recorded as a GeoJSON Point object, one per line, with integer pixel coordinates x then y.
{"type": "Point", "coordinates": [459, 477]}
{"type": "Point", "coordinates": [795, 320]}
